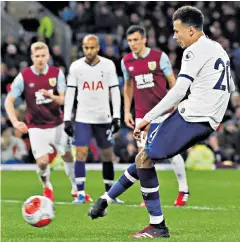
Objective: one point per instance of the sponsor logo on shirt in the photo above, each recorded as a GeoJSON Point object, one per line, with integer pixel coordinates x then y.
{"type": "Point", "coordinates": [92, 86]}
{"type": "Point", "coordinates": [144, 81]}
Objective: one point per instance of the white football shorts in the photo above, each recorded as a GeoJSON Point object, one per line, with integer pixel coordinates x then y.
{"type": "Point", "coordinates": [41, 141]}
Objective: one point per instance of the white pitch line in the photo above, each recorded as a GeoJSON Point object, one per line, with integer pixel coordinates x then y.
{"type": "Point", "coordinates": [137, 206]}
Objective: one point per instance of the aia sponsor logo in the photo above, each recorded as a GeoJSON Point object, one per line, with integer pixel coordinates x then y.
{"type": "Point", "coordinates": [92, 86]}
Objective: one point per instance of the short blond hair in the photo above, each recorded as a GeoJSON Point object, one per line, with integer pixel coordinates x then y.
{"type": "Point", "coordinates": [38, 46]}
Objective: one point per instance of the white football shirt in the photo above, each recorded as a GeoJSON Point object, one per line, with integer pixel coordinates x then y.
{"type": "Point", "coordinates": [207, 65]}
{"type": "Point", "coordinates": [93, 83]}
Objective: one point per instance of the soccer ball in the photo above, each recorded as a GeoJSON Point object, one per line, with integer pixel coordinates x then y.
{"type": "Point", "coordinates": [38, 211]}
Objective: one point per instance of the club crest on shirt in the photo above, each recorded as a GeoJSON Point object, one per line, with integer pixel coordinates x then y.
{"type": "Point", "coordinates": [52, 81]}
{"type": "Point", "coordinates": [152, 65]}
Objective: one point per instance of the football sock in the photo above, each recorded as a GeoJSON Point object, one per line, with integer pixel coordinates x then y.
{"type": "Point", "coordinates": [180, 172]}
{"type": "Point", "coordinates": [128, 178]}
{"type": "Point", "coordinates": [69, 170]}
{"type": "Point", "coordinates": [44, 176]}
{"type": "Point", "coordinates": [149, 188]}
{"type": "Point", "coordinates": [108, 174]}
{"type": "Point", "coordinates": [80, 175]}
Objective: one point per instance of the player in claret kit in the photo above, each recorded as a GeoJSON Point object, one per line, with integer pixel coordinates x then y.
{"type": "Point", "coordinates": [44, 90]}
{"type": "Point", "coordinates": [145, 72]}
{"type": "Point", "coordinates": [94, 77]}
{"type": "Point", "coordinates": [205, 69]}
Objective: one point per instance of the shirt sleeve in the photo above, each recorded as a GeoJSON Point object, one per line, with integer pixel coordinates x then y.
{"type": "Point", "coordinates": [165, 65]}
{"type": "Point", "coordinates": [61, 84]}
{"type": "Point", "coordinates": [173, 97]}
{"type": "Point", "coordinates": [72, 79]}
{"type": "Point", "coordinates": [124, 70]}
{"type": "Point", "coordinates": [112, 76]}
{"type": "Point", "coordinates": [192, 62]}
{"type": "Point", "coordinates": [17, 86]}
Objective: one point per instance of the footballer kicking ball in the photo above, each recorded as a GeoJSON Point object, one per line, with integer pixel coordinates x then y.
{"type": "Point", "coordinates": [38, 211]}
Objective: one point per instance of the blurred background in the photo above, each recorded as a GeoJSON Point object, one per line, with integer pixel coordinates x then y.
{"type": "Point", "coordinates": [62, 26]}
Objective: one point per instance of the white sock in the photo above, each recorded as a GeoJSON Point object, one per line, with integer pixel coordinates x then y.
{"type": "Point", "coordinates": [156, 219]}
{"type": "Point", "coordinates": [105, 196]}
{"type": "Point", "coordinates": [69, 170]}
{"type": "Point", "coordinates": [45, 173]}
{"type": "Point", "coordinates": [180, 172]}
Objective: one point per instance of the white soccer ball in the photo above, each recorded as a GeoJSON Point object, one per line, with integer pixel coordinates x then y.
{"type": "Point", "coordinates": [38, 211]}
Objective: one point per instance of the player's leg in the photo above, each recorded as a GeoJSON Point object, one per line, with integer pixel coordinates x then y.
{"type": "Point", "coordinates": [149, 187]}
{"type": "Point", "coordinates": [70, 172]}
{"type": "Point", "coordinates": [178, 167]}
{"type": "Point", "coordinates": [63, 146]}
{"type": "Point", "coordinates": [174, 136]}
{"type": "Point", "coordinates": [82, 138]}
{"type": "Point", "coordinates": [103, 135]}
{"type": "Point", "coordinates": [128, 178]}
{"type": "Point", "coordinates": [180, 172]}
{"type": "Point", "coordinates": [40, 140]}
{"type": "Point", "coordinates": [161, 144]}
{"type": "Point", "coordinates": [150, 192]}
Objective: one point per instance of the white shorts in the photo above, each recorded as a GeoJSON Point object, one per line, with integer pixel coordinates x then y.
{"type": "Point", "coordinates": [141, 143]}
{"type": "Point", "coordinates": [41, 141]}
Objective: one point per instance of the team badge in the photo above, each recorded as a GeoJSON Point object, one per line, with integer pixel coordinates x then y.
{"type": "Point", "coordinates": [31, 85]}
{"type": "Point", "coordinates": [152, 65]}
{"type": "Point", "coordinates": [52, 81]}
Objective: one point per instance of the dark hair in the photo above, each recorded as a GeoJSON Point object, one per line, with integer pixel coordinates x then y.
{"type": "Point", "coordinates": [136, 28]}
{"type": "Point", "coordinates": [190, 16]}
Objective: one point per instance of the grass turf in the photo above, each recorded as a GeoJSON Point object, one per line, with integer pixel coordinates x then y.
{"type": "Point", "coordinates": [212, 213]}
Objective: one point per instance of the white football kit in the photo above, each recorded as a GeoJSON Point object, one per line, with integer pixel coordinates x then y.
{"type": "Point", "coordinates": [207, 65]}
{"type": "Point", "coordinates": [206, 70]}
{"type": "Point", "coordinates": [93, 83]}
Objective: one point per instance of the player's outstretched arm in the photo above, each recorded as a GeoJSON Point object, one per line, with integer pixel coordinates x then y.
{"type": "Point", "coordinates": [173, 97]}
{"type": "Point", "coordinates": [9, 106]}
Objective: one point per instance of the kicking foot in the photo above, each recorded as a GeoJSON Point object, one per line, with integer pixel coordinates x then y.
{"type": "Point", "coordinates": [98, 209]}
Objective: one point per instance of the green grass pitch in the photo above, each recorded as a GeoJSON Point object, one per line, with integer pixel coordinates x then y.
{"type": "Point", "coordinates": [212, 213]}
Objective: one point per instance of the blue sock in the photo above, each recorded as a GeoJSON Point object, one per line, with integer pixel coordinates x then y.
{"type": "Point", "coordinates": [80, 174]}
{"type": "Point", "coordinates": [149, 188]}
{"type": "Point", "coordinates": [128, 178]}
